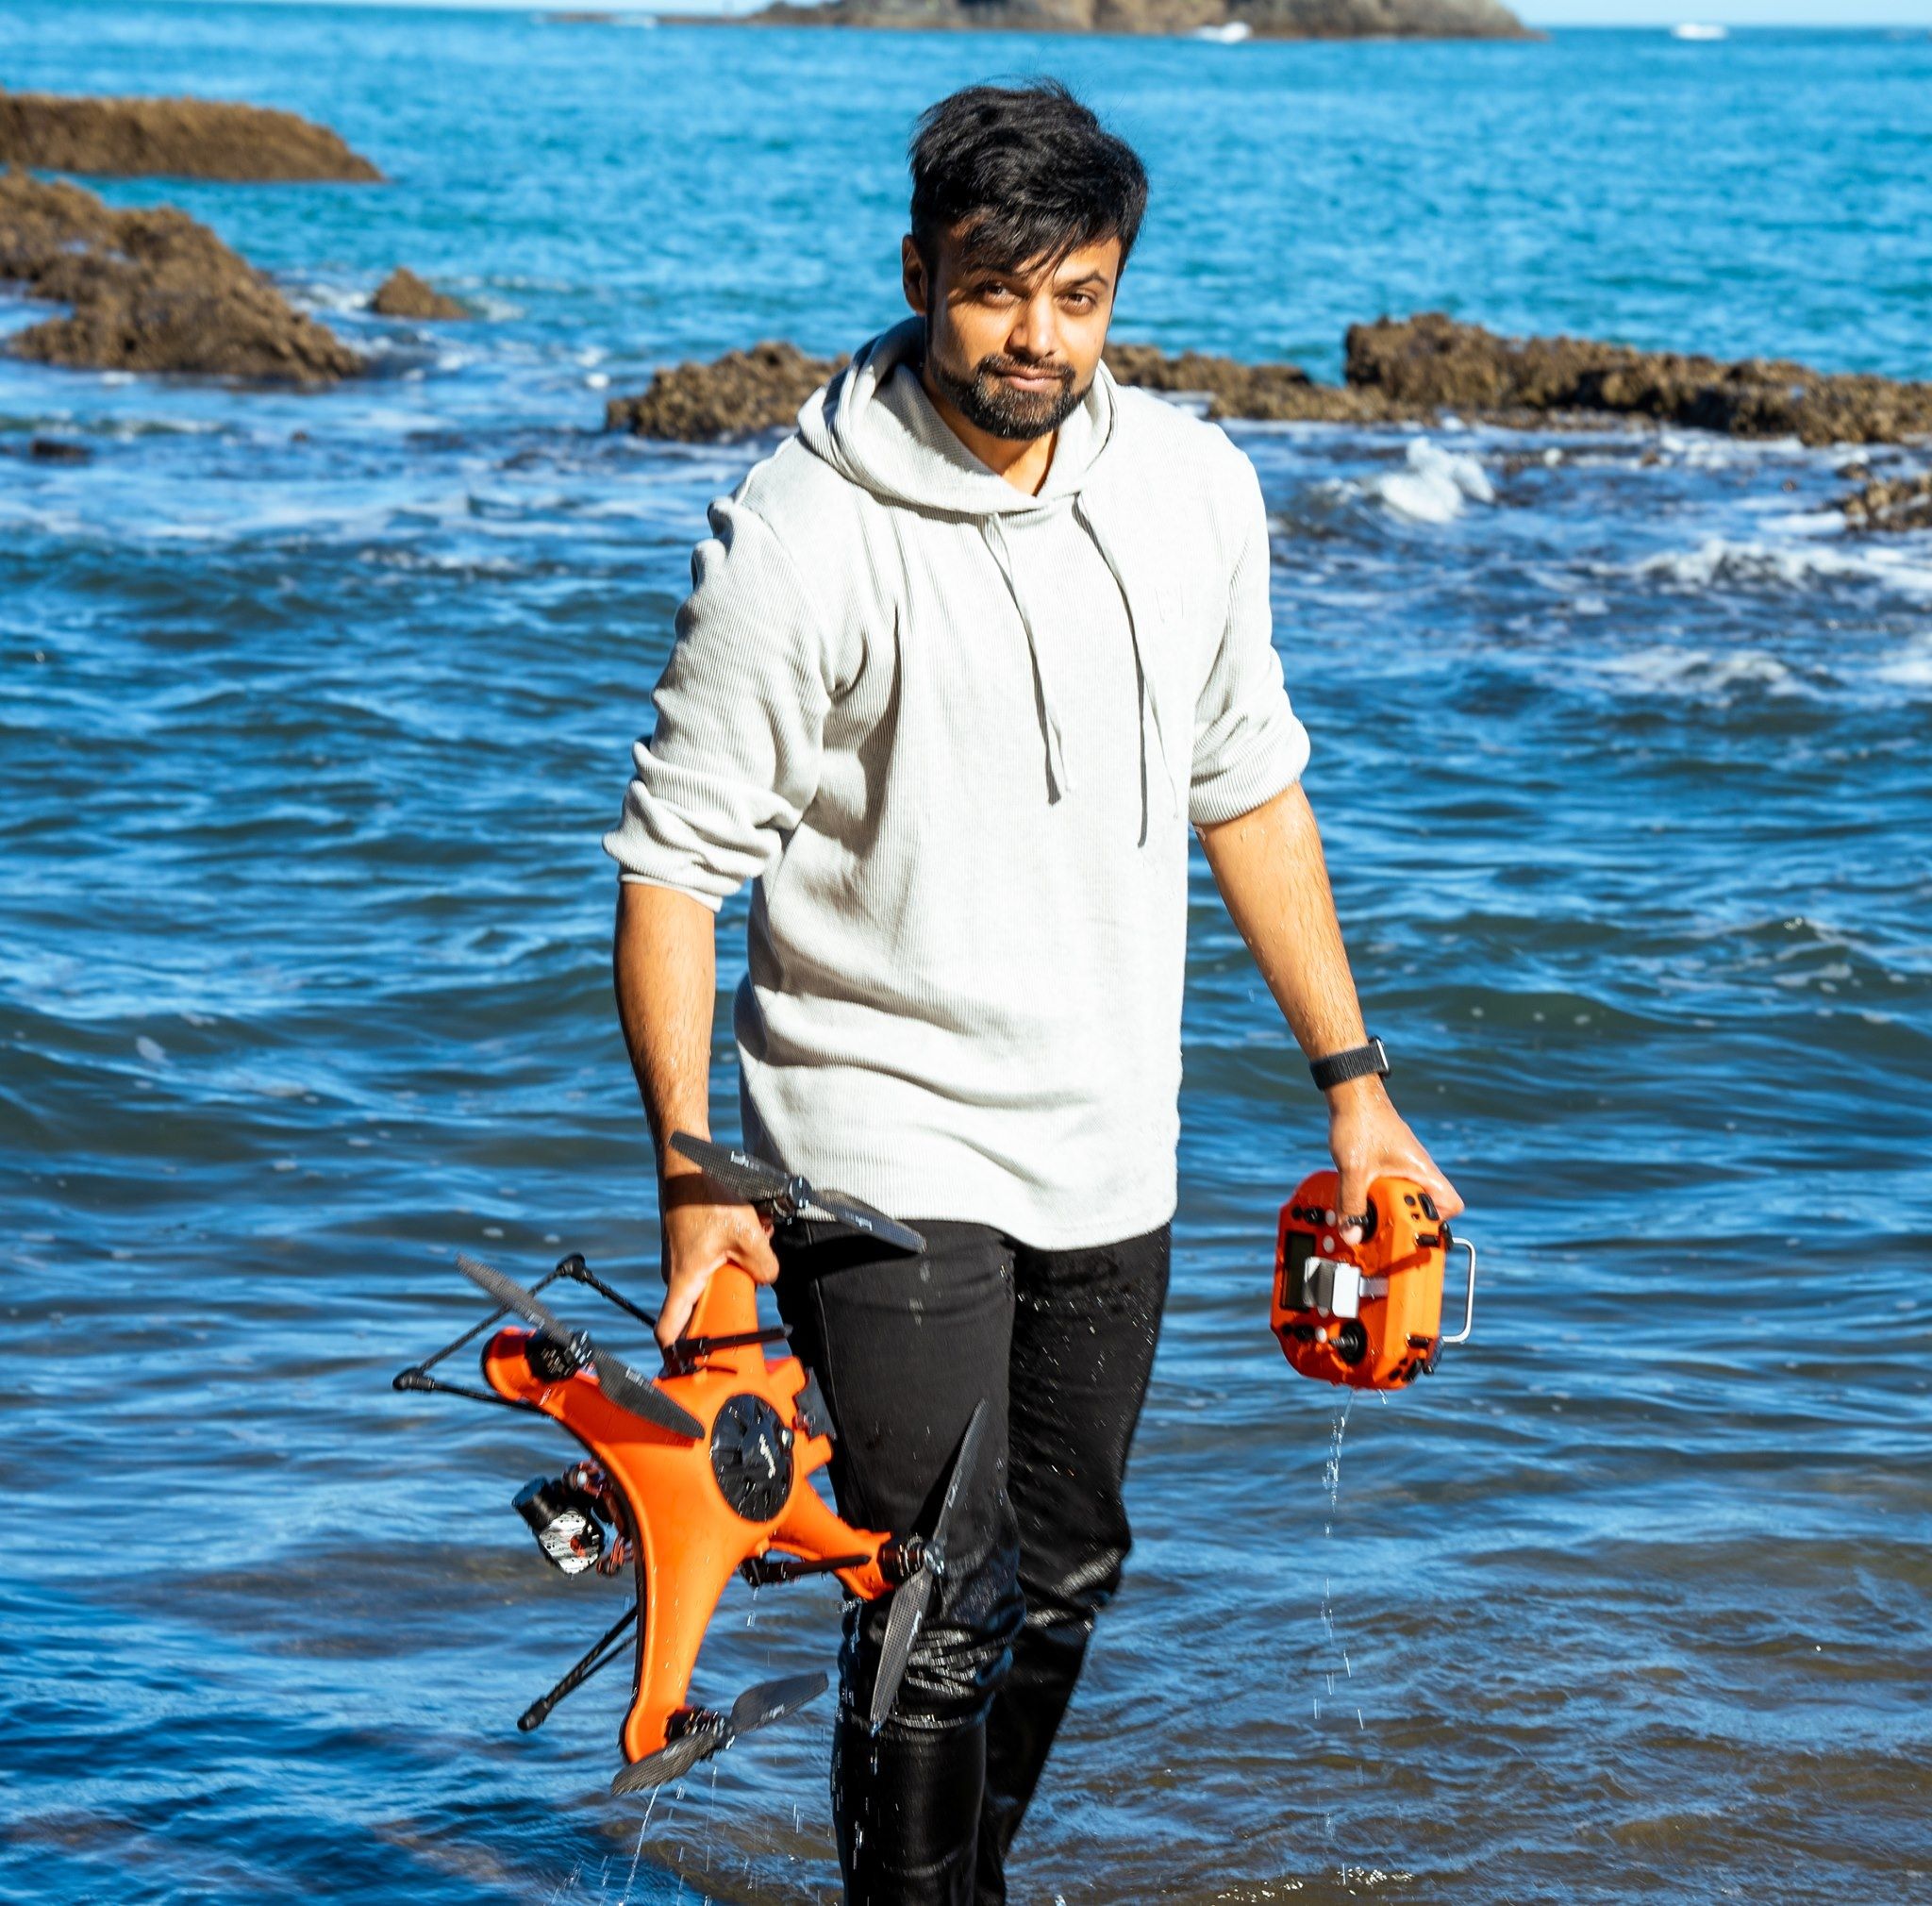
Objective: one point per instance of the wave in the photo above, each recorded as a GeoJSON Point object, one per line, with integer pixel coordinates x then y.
{"type": "Point", "coordinates": [1719, 561]}
{"type": "Point", "coordinates": [1703, 673]}
{"type": "Point", "coordinates": [1435, 486]}
{"type": "Point", "coordinates": [1910, 666]}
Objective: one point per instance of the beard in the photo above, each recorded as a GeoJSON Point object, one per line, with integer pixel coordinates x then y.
{"type": "Point", "coordinates": [990, 403]}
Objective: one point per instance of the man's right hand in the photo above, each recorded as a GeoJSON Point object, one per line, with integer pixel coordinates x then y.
{"type": "Point", "coordinates": [704, 1230]}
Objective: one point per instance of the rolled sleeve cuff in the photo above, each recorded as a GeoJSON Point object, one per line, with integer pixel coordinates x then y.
{"type": "Point", "coordinates": [695, 833]}
{"type": "Point", "coordinates": [1270, 762]}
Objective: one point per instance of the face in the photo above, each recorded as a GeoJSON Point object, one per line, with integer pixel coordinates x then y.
{"type": "Point", "coordinates": [1014, 350]}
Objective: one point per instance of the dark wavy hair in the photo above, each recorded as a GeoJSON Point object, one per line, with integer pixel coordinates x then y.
{"type": "Point", "coordinates": [1025, 174]}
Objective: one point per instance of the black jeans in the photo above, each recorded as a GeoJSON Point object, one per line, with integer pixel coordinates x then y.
{"type": "Point", "coordinates": [1060, 1345]}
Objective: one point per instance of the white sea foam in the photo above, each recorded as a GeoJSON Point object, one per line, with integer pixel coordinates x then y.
{"type": "Point", "coordinates": [1720, 560]}
{"type": "Point", "coordinates": [1910, 666]}
{"type": "Point", "coordinates": [1435, 486]}
{"type": "Point", "coordinates": [1701, 674]}
{"type": "Point", "coordinates": [1708, 450]}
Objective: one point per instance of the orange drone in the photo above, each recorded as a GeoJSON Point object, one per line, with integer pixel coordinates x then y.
{"type": "Point", "coordinates": [703, 1472]}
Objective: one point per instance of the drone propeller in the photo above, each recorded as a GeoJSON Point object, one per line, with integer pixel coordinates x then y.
{"type": "Point", "coordinates": [788, 1195]}
{"type": "Point", "coordinates": [913, 1595]}
{"type": "Point", "coordinates": [628, 1388]}
{"type": "Point", "coordinates": [757, 1707]}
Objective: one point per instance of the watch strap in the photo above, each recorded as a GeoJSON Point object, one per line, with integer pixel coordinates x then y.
{"type": "Point", "coordinates": [1338, 1068]}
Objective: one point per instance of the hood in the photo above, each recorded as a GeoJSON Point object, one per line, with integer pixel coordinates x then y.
{"type": "Point", "coordinates": [876, 425]}
{"type": "Point", "coordinates": [879, 429]}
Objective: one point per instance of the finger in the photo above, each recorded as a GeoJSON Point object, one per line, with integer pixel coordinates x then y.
{"type": "Point", "coordinates": [671, 1321]}
{"type": "Point", "coordinates": [1425, 1172]}
{"type": "Point", "coordinates": [1351, 1196]}
{"type": "Point", "coordinates": [680, 1300]}
{"type": "Point", "coordinates": [759, 1258]}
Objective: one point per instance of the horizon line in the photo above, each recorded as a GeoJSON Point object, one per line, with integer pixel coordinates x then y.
{"type": "Point", "coordinates": [1659, 16]}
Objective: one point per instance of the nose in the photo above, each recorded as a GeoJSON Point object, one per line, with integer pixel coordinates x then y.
{"type": "Point", "coordinates": [1036, 327]}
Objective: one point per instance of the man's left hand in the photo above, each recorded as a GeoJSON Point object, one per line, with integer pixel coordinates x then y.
{"type": "Point", "coordinates": [1369, 1139]}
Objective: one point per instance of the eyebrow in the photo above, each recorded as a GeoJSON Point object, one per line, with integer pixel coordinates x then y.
{"type": "Point", "coordinates": [989, 275]}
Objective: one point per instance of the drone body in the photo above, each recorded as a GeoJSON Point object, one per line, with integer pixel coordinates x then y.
{"type": "Point", "coordinates": [704, 1470]}
{"type": "Point", "coordinates": [701, 1508]}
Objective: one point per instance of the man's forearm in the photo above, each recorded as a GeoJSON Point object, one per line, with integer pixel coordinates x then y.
{"type": "Point", "coordinates": [665, 964]}
{"type": "Point", "coordinates": [1274, 878]}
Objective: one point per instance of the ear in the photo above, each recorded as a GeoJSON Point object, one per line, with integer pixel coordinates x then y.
{"type": "Point", "coordinates": [912, 276]}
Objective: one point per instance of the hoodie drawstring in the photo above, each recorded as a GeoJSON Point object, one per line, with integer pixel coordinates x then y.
{"type": "Point", "coordinates": [1058, 783]}
{"type": "Point", "coordinates": [1150, 702]}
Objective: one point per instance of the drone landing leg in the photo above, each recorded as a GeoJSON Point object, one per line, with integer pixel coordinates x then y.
{"type": "Point", "coordinates": [601, 1653]}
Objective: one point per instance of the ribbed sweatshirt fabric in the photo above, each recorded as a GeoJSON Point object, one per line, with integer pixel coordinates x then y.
{"type": "Point", "coordinates": [956, 735]}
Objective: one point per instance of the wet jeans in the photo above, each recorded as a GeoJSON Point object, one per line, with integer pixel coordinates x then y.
{"type": "Point", "coordinates": [1060, 1345]}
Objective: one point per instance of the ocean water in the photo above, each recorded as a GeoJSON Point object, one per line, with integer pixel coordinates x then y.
{"type": "Point", "coordinates": [312, 707]}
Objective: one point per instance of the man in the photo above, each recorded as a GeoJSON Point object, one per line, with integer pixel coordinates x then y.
{"type": "Point", "coordinates": [963, 662]}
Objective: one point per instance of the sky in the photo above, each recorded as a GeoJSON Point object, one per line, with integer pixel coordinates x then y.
{"type": "Point", "coordinates": [1908, 13]}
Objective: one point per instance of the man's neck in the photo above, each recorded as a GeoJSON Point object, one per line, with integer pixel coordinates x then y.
{"type": "Point", "coordinates": [1022, 461]}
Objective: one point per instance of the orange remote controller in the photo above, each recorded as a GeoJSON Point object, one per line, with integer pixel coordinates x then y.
{"type": "Point", "coordinates": [1367, 1314]}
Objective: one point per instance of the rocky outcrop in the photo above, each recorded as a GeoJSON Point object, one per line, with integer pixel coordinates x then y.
{"type": "Point", "coordinates": [1263, 19]}
{"type": "Point", "coordinates": [743, 392]}
{"type": "Point", "coordinates": [403, 294]}
{"type": "Point", "coordinates": [1891, 503]}
{"type": "Point", "coordinates": [1278, 393]}
{"type": "Point", "coordinates": [1433, 362]}
{"type": "Point", "coordinates": [150, 291]}
{"type": "Point", "coordinates": [1412, 369]}
{"type": "Point", "coordinates": [180, 138]}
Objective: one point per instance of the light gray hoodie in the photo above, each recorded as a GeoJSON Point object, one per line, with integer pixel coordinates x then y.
{"type": "Point", "coordinates": [958, 735]}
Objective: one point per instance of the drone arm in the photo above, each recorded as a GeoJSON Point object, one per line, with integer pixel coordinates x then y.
{"type": "Point", "coordinates": [809, 1529]}
{"type": "Point", "coordinates": [680, 1579]}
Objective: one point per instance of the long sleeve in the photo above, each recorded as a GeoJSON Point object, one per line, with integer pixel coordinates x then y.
{"type": "Point", "coordinates": [740, 714]}
{"type": "Point", "coordinates": [1248, 744]}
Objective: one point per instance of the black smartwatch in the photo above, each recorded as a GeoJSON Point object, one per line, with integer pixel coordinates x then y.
{"type": "Point", "coordinates": [1356, 1062]}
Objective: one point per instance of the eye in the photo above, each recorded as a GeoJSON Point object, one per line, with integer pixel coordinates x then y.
{"type": "Point", "coordinates": [1079, 301]}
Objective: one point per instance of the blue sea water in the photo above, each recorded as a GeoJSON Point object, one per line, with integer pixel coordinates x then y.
{"type": "Point", "coordinates": [312, 706]}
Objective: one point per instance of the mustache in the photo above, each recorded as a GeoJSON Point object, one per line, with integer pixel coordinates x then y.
{"type": "Point", "coordinates": [1020, 367]}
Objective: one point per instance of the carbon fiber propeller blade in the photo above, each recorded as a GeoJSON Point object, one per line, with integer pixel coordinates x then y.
{"type": "Point", "coordinates": [751, 1178]}
{"type": "Point", "coordinates": [904, 1619]}
{"type": "Point", "coordinates": [769, 1701]}
{"type": "Point", "coordinates": [912, 1598]}
{"type": "Point", "coordinates": [761, 1183]}
{"type": "Point", "coordinates": [671, 1763]}
{"type": "Point", "coordinates": [633, 1391]}
{"type": "Point", "coordinates": [757, 1707]}
{"type": "Point", "coordinates": [628, 1388]}
{"type": "Point", "coordinates": [962, 1467]}
{"type": "Point", "coordinates": [856, 1216]}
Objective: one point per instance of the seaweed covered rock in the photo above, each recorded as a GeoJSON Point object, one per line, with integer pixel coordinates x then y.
{"type": "Point", "coordinates": [1891, 503]}
{"type": "Point", "coordinates": [1432, 361]}
{"type": "Point", "coordinates": [403, 294]}
{"type": "Point", "coordinates": [741, 393]}
{"type": "Point", "coordinates": [1281, 393]}
{"type": "Point", "coordinates": [180, 138]}
{"type": "Point", "coordinates": [1399, 371]}
{"type": "Point", "coordinates": [150, 290]}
